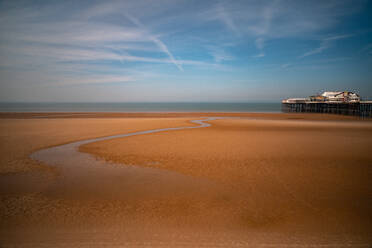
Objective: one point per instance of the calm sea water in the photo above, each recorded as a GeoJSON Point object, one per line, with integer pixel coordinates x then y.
{"type": "Point", "coordinates": [140, 107]}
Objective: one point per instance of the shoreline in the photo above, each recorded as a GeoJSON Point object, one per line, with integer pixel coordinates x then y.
{"type": "Point", "coordinates": [269, 115]}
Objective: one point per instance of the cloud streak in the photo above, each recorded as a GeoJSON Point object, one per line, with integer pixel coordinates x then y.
{"type": "Point", "coordinates": [157, 41]}
{"type": "Point", "coordinates": [260, 55]}
{"type": "Point", "coordinates": [325, 44]}
{"type": "Point", "coordinates": [226, 19]}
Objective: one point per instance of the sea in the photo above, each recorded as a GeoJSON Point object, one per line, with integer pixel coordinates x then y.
{"type": "Point", "coordinates": [139, 107]}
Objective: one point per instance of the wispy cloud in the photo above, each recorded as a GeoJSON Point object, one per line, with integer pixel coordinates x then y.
{"type": "Point", "coordinates": [226, 19]}
{"type": "Point", "coordinates": [338, 37]}
{"type": "Point", "coordinates": [285, 66]}
{"type": "Point", "coordinates": [260, 55]}
{"type": "Point", "coordinates": [97, 79]}
{"type": "Point", "coordinates": [264, 17]}
{"type": "Point", "coordinates": [367, 49]}
{"type": "Point", "coordinates": [316, 63]}
{"type": "Point", "coordinates": [260, 43]}
{"type": "Point", "coordinates": [280, 18]}
{"type": "Point", "coordinates": [325, 44]}
{"type": "Point", "coordinates": [157, 41]}
{"type": "Point", "coordinates": [34, 41]}
{"type": "Point", "coordinates": [219, 54]}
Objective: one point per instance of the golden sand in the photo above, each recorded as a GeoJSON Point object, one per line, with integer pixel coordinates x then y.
{"type": "Point", "coordinates": [276, 179]}
{"type": "Point", "coordinates": [20, 137]}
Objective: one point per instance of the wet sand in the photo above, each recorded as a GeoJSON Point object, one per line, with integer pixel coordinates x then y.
{"type": "Point", "coordinates": [272, 182]}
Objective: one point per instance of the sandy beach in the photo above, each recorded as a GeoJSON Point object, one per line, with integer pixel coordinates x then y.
{"type": "Point", "coordinates": [248, 180]}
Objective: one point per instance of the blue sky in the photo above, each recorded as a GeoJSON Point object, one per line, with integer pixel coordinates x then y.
{"type": "Point", "coordinates": [171, 50]}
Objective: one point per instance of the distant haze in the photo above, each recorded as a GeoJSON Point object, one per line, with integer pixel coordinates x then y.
{"type": "Point", "coordinates": [183, 51]}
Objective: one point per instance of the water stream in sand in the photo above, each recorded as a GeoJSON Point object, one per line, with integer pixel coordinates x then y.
{"type": "Point", "coordinates": [82, 174]}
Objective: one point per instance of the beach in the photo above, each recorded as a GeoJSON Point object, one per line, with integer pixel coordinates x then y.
{"type": "Point", "coordinates": [247, 180]}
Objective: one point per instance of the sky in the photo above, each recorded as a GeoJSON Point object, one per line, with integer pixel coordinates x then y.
{"type": "Point", "coordinates": [183, 51]}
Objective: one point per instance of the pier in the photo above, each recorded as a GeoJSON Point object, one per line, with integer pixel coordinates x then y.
{"type": "Point", "coordinates": [362, 108]}
{"type": "Point", "coordinates": [330, 102]}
